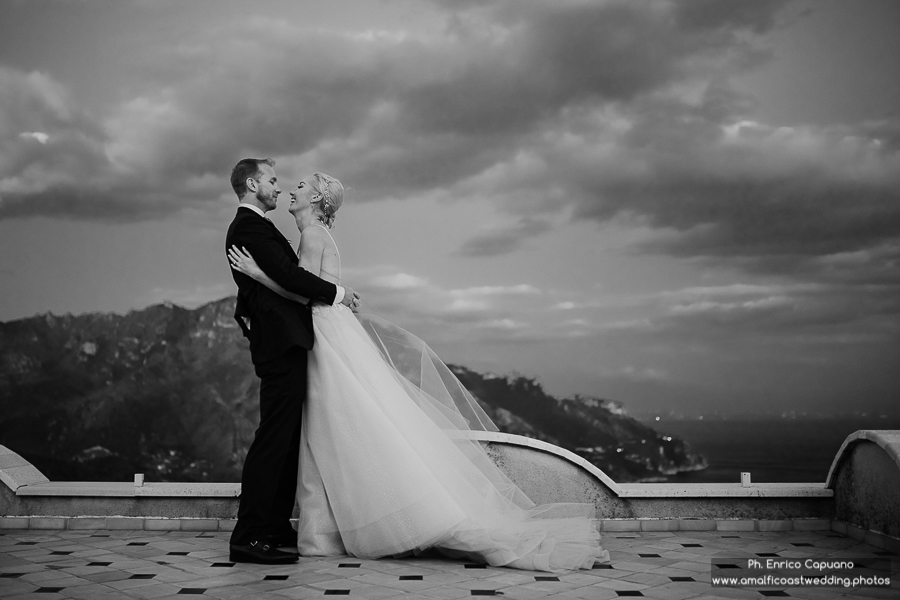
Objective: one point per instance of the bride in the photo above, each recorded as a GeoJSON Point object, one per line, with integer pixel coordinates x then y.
{"type": "Point", "coordinates": [386, 465]}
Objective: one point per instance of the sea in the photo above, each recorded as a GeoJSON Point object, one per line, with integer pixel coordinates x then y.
{"type": "Point", "coordinates": [772, 449]}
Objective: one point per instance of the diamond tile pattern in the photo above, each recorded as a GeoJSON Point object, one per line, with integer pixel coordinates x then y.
{"type": "Point", "coordinates": [149, 565]}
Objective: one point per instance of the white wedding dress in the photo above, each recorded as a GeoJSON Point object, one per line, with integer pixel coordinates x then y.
{"type": "Point", "coordinates": [386, 467]}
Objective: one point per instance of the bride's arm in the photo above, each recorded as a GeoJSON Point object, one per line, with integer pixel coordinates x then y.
{"type": "Point", "coordinates": [242, 261]}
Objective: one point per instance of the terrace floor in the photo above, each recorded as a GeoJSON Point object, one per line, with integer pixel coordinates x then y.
{"type": "Point", "coordinates": [99, 565]}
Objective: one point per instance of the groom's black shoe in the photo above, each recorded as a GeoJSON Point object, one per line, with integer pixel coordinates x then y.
{"type": "Point", "coordinates": [283, 540]}
{"type": "Point", "coordinates": [262, 552]}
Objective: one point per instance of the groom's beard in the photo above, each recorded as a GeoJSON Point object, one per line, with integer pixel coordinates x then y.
{"type": "Point", "coordinates": [269, 200]}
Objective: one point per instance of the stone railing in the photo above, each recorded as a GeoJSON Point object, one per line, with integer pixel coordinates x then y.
{"type": "Point", "coordinates": [865, 477]}
{"type": "Point", "coordinates": [860, 498]}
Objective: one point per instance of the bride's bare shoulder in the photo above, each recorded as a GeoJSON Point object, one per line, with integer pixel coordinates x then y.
{"type": "Point", "coordinates": [317, 240]}
{"type": "Point", "coordinates": [314, 235]}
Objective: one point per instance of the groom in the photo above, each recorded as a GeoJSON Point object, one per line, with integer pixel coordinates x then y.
{"type": "Point", "coordinates": [280, 333]}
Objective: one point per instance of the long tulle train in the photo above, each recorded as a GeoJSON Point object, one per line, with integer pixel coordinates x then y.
{"type": "Point", "coordinates": [386, 467]}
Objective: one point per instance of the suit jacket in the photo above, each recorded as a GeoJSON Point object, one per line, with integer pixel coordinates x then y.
{"type": "Point", "coordinates": [276, 323]}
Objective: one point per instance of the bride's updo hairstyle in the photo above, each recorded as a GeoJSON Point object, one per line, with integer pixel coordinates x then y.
{"type": "Point", "coordinates": [331, 194]}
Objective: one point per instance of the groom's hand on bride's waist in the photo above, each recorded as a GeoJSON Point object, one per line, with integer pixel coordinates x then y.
{"type": "Point", "coordinates": [351, 299]}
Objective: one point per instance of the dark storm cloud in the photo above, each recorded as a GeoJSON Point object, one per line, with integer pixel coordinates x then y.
{"type": "Point", "coordinates": [768, 199]}
{"type": "Point", "coordinates": [498, 242]}
{"type": "Point", "coordinates": [758, 16]}
{"type": "Point", "coordinates": [614, 108]}
{"type": "Point", "coordinates": [164, 151]}
{"type": "Point", "coordinates": [529, 60]}
{"type": "Point", "coordinates": [403, 113]}
{"type": "Point", "coordinates": [45, 141]}
{"type": "Point", "coordinates": [776, 311]}
{"type": "Point", "coordinates": [762, 198]}
{"type": "Point", "coordinates": [56, 159]}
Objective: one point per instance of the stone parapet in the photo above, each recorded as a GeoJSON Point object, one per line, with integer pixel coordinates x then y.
{"type": "Point", "coordinates": [865, 477]}
{"type": "Point", "coordinates": [547, 473]}
{"type": "Point", "coordinates": [16, 472]}
{"type": "Point", "coordinates": [862, 492]}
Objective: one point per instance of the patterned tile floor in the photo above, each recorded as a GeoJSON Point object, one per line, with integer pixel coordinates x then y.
{"type": "Point", "coordinates": [98, 565]}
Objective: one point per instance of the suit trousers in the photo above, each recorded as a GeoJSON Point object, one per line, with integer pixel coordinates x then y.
{"type": "Point", "coordinates": [269, 477]}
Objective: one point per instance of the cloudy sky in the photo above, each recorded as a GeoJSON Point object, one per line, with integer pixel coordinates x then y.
{"type": "Point", "coordinates": [687, 206]}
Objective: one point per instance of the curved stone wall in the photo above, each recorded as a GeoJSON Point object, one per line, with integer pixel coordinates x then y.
{"type": "Point", "coordinates": [548, 473]}
{"type": "Point", "coordinates": [547, 478]}
{"type": "Point", "coordinates": [865, 477]}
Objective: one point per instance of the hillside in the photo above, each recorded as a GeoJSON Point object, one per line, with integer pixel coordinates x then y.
{"type": "Point", "coordinates": [170, 392]}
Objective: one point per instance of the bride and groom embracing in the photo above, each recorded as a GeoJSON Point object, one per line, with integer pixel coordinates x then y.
{"type": "Point", "coordinates": [361, 424]}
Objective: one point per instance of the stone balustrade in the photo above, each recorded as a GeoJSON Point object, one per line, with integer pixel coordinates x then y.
{"type": "Point", "coordinates": [860, 498]}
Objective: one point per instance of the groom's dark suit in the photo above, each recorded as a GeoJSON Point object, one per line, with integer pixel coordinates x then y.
{"type": "Point", "coordinates": [280, 333]}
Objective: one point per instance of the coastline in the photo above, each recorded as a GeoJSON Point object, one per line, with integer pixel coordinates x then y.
{"type": "Point", "coordinates": [772, 449]}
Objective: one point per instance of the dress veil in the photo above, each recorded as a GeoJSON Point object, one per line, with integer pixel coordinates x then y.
{"type": "Point", "coordinates": [388, 466]}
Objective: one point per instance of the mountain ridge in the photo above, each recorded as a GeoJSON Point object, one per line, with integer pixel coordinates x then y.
{"type": "Point", "coordinates": [171, 392]}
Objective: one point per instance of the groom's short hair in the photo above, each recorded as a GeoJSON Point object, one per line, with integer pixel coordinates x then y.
{"type": "Point", "coordinates": [247, 167]}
